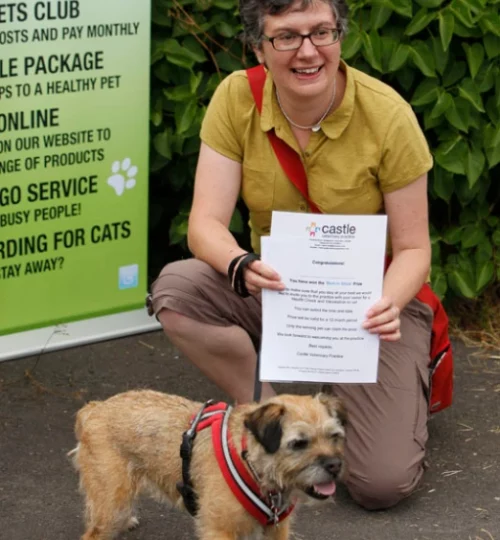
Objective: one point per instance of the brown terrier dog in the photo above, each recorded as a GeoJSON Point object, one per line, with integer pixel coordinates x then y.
{"type": "Point", "coordinates": [242, 478]}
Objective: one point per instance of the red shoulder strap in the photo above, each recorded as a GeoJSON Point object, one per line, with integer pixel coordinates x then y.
{"type": "Point", "coordinates": [288, 158]}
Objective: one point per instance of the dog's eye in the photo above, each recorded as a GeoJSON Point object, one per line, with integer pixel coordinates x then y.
{"type": "Point", "coordinates": [335, 437]}
{"type": "Point", "coordinates": [298, 444]}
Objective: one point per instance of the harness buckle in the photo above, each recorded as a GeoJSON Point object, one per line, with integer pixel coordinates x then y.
{"type": "Point", "coordinates": [276, 504]}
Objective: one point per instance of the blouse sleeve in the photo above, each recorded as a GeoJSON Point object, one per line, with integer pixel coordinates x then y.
{"type": "Point", "coordinates": [217, 128]}
{"type": "Point", "coordinates": [405, 153]}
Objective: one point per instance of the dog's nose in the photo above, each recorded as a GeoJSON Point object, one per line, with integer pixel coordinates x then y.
{"type": "Point", "coordinates": [333, 465]}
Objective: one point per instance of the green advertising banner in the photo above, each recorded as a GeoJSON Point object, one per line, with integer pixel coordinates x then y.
{"type": "Point", "coordinates": [74, 113]}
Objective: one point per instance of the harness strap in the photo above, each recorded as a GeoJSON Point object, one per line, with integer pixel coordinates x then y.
{"type": "Point", "coordinates": [240, 481]}
{"type": "Point", "coordinates": [185, 488]}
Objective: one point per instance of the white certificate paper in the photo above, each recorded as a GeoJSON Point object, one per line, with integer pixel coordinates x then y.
{"type": "Point", "coordinates": [332, 267]}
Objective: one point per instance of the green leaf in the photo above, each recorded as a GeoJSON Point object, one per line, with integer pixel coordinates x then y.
{"type": "Point", "coordinates": [429, 3]}
{"type": "Point", "coordinates": [185, 115]}
{"type": "Point", "coordinates": [423, 58]}
{"type": "Point", "coordinates": [492, 45]}
{"type": "Point", "coordinates": [194, 49]}
{"type": "Point", "coordinates": [452, 160]}
{"type": "Point", "coordinates": [178, 229]}
{"type": "Point", "coordinates": [475, 56]}
{"type": "Point", "coordinates": [484, 275]}
{"type": "Point", "coordinates": [156, 51]}
{"type": "Point", "coordinates": [491, 22]}
{"type": "Point", "coordinates": [467, 32]}
{"type": "Point", "coordinates": [452, 235]}
{"type": "Point", "coordinates": [475, 161]}
{"type": "Point", "coordinates": [420, 20]}
{"type": "Point", "coordinates": [492, 110]}
{"type": "Point", "coordinates": [446, 27]}
{"type": "Point", "coordinates": [493, 156]}
{"type": "Point", "coordinates": [440, 55]}
{"type": "Point", "coordinates": [161, 143]}
{"type": "Point", "coordinates": [458, 115]}
{"type": "Point", "coordinates": [476, 6]}
{"type": "Point", "coordinates": [438, 282]}
{"type": "Point", "coordinates": [379, 15]}
{"type": "Point", "coordinates": [463, 282]}
{"type": "Point", "coordinates": [496, 237]}
{"type": "Point", "coordinates": [372, 46]}
{"type": "Point", "coordinates": [484, 251]}
{"type": "Point", "coordinates": [444, 102]}
{"type": "Point", "coordinates": [466, 194]}
{"type": "Point", "coordinates": [226, 30]}
{"type": "Point", "coordinates": [443, 183]}
{"type": "Point", "coordinates": [472, 236]}
{"type": "Point", "coordinates": [491, 135]}
{"type": "Point", "coordinates": [485, 79]}
{"type": "Point", "coordinates": [228, 62]}
{"type": "Point", "coordinates": [389, 46]}
{"type": "Point", "coordinates": [462, 13]}
{"type": "Point", "coordinates": [195, 81]}
{"type": "Point", "coordinates": [494, 222]}
{"type": "Point", "coordinates": [453, 73]}
{"type": "Point", "coordinates": [351, 44]}
{"type": "Point", "coordinates": [178, 93]}
{"type": "Point", "coordinates": [399, 57]}
{"type": "Point", "coordinates": [469, 91]}
{"type": "Point", "coordinates": [426, 92]}
{"type": "Point", "coordinates": [403, 7]}
{"type": "Point", "coordinates": [160, 16]}
{"type": "Point", "coordinates": [178, 55]}
{"type": "Point", "coordinates": [224, 4]}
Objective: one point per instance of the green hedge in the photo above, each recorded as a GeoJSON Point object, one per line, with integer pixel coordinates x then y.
{"type": "Point", "coordinates": [443, 57]}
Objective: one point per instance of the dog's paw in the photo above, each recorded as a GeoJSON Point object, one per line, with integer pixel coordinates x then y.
{"type": "Point", "coordinates": [133, 523]}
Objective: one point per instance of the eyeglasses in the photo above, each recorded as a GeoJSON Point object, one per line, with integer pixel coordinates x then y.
{"type": "Point", "coordinates": [291, 41]}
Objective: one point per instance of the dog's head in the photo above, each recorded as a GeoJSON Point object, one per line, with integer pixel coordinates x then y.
{"type": "Point", "coordinates": [297, 443]}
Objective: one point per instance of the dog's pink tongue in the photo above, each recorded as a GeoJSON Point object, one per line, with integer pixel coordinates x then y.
{"type": "Point", "coordinates": [326, 489]}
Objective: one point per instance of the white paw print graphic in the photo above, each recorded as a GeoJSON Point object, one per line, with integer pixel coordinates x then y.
{"type": "Point", "coordinates": [123, 176]}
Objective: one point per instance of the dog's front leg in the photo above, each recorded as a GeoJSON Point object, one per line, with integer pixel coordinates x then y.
{"type": "Point", "coordinates": [280, 532]}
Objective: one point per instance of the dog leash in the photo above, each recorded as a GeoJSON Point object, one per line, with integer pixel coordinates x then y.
{"type": "Point", "coordinates": [257, 387]}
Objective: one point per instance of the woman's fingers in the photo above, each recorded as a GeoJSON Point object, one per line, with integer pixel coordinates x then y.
{"type": "Point", "coordinates": [261, 276]}
{"type": "Point", "coordinates": [383, 319]}
{"type": "Point", "coordinates": [381, 313]}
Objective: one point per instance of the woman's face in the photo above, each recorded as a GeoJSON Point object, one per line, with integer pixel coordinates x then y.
{"type": "Point", "coordinates": [308, 71]}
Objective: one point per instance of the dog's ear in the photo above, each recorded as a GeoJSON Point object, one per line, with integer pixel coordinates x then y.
{"type": "Point", "coordinates": [265, 425]}
{"type": "Point", "coordinates": [335, 407]}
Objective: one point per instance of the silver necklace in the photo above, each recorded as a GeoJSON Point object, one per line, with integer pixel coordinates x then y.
{"type": "Point", "coordinates": [317, 126]}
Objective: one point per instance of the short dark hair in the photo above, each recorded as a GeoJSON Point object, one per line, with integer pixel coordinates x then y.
{"type": "Point", "coordinates": [252, 14]}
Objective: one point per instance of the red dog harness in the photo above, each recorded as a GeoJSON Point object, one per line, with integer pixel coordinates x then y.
{"type": "Point", "coordinates": [267, 510]}
{"type": "Point", "coordinates": [441, 355]}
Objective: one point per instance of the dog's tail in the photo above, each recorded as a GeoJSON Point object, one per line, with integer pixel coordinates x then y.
{"type": "Point", "coordinates": [81, 418]}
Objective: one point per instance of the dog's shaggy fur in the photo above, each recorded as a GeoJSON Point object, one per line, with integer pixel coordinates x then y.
{"type": "Point", "coordinates": [129, 444]}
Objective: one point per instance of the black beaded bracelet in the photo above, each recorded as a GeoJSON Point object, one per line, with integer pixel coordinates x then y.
{"type": "Point", "coordinates": [232, 266]}
{"type": "Point", "coordinates": [236, 275]}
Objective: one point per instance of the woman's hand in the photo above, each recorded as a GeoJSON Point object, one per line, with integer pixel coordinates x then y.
{"type": "Point", "coordinates": [383, 319]}
{"type": "Point", "coordinates": [259, 275]}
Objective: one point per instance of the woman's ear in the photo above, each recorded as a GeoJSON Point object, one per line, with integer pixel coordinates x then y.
{"type": "Point", "coordinates": [259, 54]}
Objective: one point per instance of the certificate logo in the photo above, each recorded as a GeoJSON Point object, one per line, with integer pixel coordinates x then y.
{"type": "Point", "coordinates": [313, 229]}
{"type": "Point", "coordinates": [128, 276]}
